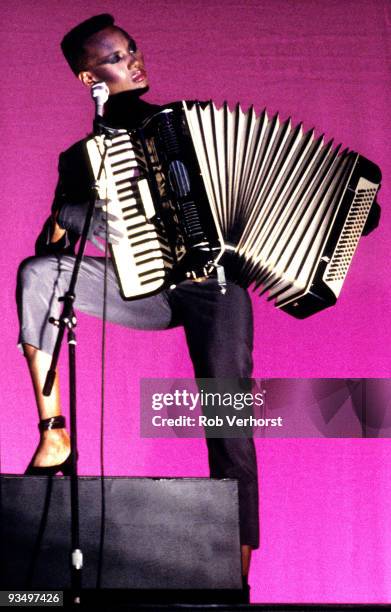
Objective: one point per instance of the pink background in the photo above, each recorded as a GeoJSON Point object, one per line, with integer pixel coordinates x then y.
{"type": "Point", "coordinates": [325, 528]}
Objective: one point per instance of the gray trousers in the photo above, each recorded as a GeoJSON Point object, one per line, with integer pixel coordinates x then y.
{"type": "Point", "coordinates": [218, 330]}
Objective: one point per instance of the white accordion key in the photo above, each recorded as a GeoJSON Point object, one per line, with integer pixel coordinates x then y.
{"type": "Point", "coordinates": [146, 198]}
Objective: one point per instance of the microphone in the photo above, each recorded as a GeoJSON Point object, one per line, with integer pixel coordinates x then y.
{"type": "Point", "coordinates": [100, 94]}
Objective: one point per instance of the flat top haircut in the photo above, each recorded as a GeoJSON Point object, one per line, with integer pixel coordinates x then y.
{"type": "Point", "coordinates": [72, 44]}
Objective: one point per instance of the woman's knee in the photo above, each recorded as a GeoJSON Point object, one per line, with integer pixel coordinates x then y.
{"type": "Point", "coordinates": [34, 271]}
{"type": "Point", "coordinates": [30, 268]}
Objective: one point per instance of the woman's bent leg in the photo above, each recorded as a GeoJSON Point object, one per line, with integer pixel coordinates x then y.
{"type": "Point", "coordinates": [41, 282]}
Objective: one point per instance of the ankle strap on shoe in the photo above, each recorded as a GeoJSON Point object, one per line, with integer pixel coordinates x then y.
{"type": "Point", "coordinates": [56, 422]}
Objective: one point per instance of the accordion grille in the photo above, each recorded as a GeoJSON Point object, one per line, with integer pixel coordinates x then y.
{"type": "Point", "coordinates": [351, 232]}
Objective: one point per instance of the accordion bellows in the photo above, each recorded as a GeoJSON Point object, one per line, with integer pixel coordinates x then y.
{"type": "Point", "coordinates": [283, 210]}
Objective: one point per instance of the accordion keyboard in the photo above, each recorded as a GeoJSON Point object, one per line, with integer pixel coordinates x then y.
{"type": "Point", "coordinates": [143, 255]}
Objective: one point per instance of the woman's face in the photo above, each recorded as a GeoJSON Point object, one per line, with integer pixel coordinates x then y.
{"type": "Point", "coordinates": [114, 59]}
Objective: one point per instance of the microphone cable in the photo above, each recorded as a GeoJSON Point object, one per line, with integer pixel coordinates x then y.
{"type": "Point", "coordinates": [102, 407]}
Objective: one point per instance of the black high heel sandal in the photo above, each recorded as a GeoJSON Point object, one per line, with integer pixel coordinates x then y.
{"type": "Point", "coordinates": [57, 422]}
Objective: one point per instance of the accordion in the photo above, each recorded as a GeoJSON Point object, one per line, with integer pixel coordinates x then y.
{"type": "Point", "coordinates": [199, 190]}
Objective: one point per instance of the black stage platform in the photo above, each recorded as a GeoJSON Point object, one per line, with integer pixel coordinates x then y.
{"type": "Point", "coordinates": [169, 544]}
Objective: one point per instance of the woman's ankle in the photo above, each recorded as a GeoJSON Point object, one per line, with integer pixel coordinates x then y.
{"type": "Point", "coordinates": [55, 436]}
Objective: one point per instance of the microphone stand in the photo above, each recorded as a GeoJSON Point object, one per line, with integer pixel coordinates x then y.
{"type": "Point", "coordinates": [67, 321]}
